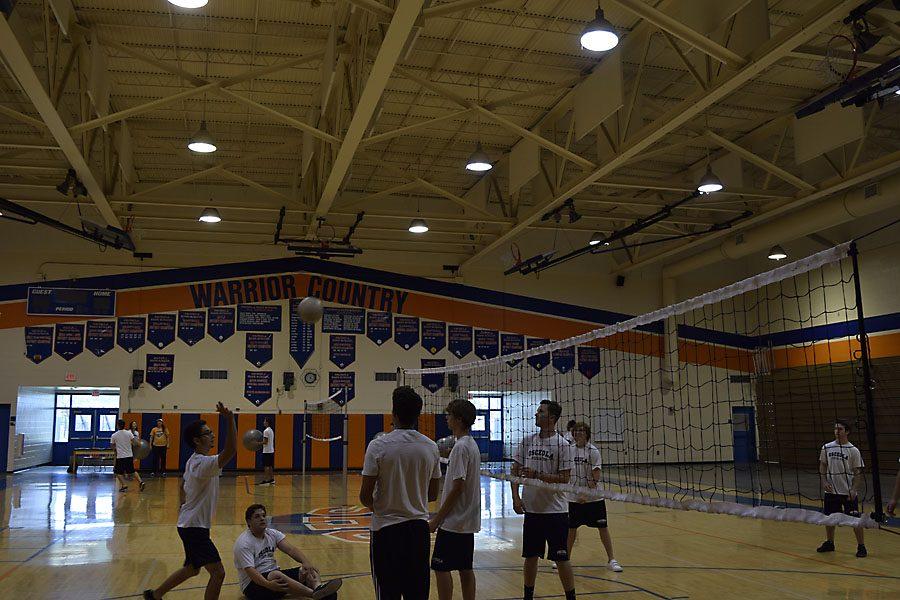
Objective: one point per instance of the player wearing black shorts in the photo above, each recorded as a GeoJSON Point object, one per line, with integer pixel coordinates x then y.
{"type": "Point", "coordinates": [545, 457]}
{"type": "Point", "coordinates": [582, 509]}
{"type": "Point", "coordinates": [200, 491]}
{"type": "Point", "coordinates": [840, 468]}
{"type": "Point", "coordinates": [121, 441]}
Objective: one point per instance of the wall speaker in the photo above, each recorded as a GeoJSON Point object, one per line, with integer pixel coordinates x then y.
{"type": "Point", "coordinates": [620, 281]}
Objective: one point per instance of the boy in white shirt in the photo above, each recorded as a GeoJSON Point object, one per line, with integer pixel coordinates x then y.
{"type": "Point", "coordinates": [122, 441]}
{"type": "Point", "coordinates": [200, 491]}
{"type": "Point", "coordinates": [546, 457]}
{"type": "Point", "coordinates": [840, 470]}
{"type": "Point", "coordinates": [583, 510]}
{"type": "Point", "coordinates": [459, 517]}
{"type": "Point", "coordinates": [260, 577]}
{"type": "Point", "coordinates": [401, 473]}
{"type": "Point", "coordinates": [268, 454]}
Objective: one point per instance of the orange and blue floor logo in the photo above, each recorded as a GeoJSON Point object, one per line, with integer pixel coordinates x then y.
{"type": "Point", "coordinates": [346, 523]}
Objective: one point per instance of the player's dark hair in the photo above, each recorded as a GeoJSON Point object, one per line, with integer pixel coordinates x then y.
{"type": "Point", "coordinates": [120, 423]}
{"type": "Point", "coordinates": [462, 410]}
{"type": "Point", "coordinates": [252, 509]}
{"type": "Point", "coordinates": [192, 432]}
{"type": "Point", "coordinates": [553, 408]}
{"type": "Point", "coordinates": [266, 422]}
{"type": "Point", "coordinates": [844, 423]}
{"type": "Point", "coordinates": [407, 405]}
{"type": "Point", "coordinates": [570, 425]}
{"type": "Point", "coordinates": [585, 426]}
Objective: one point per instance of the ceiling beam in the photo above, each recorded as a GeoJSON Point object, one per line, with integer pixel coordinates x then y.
{"type": "Point", "coordinates": [31, 85]}
{"type": "Point", "coordinates": [761, 162]}
{"type": "Point", "coordinates": [449, 8]}
{"type": "Point", "coordinates": [374, 6]}
{"type": "Point", "coordinates": [801, 31]}
{"type": "Point", "coordinates": [394, 44]}
{"type": "Point", "coordinates": [23, 118]}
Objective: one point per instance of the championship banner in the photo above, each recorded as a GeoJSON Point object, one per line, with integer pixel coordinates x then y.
{"type": "Point", "coordinates": [434, 336]}
{"type": "Point", "coordinates": [342, 350]}
{"type": "Point", "coordinates": [342, 381]}
{"type": "Point", "coordinates": [220, 323]}
{"type": "Point", "coordinates": [563, 360]}
{"type": "Point", "coordinates": [131, 333]}
{"type": "Point", "coordinates": [191, 326]}
{"type": "Point", "coordinates": [160, 370]}
{"type": "Point", "coordinates": [100, 337]}
{"type": "Point", "coordinates": [259, 348]}
{"type": "Point", "coordinates": [69, 340]}
{"type": "Point", "coordinates": [160, 329]}
{"type": "Point", "coordinates": [538, 361]}
{"type": "Point", "coordinates": [343, 320]}
{"type": "Point", "coordinates": [459, 340]}
{"type": "Point", "coordinates": [406, 331]}
{"type": "Point", "coordinates": [38, 343]}
{"type": "Point", "coordinates": [379, 326]}
{"type": "Point", "coordinates": [302, 336]}
{"type": "Point", "coordinates": [433, 381]}
{"type": "Point", "coordinates": [588, 361]}
{"type": "Point", "coordinates": [487, 343]}
{"type": "Point", "coordinates": [257, 386]}
{"type": "Point", "coordinates": [510, 343]}
{"type": "Point", "coordinates": [259, 317]}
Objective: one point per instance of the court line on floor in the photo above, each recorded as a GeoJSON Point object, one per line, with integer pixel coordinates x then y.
{"type": "Point", "coordinates": [789, 571]}
{"type": "Point", "coordinates": [766, 548]}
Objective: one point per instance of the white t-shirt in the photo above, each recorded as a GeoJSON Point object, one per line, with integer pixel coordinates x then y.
{"type": "Point", "coordinates": [842, 463]}
{"type": "Point", "coordinates": [269, 446]}
{"type": "Point", "coordinates": [584, 461]}
{"type": "Point", "coordinates": [568, 437]}
{"type": "Point", "coordinates": [544, 455]}
{"type": "Point", "coordinates": [258, 553]}
{"type": "Point", "coordinates": [405, 462]}
{"type": "Point", "coordinates": [122, 441]}
{"type": "Point", "coordinates": [465, 464]}
{"type": "Point", "coordinates": [201, 491]}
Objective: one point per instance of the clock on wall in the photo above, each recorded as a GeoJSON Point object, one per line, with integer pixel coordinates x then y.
{"type": "Point", "coordinates": [310, 377]}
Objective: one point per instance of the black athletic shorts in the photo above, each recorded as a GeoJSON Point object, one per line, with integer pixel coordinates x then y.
{"type": "Point", "coordinates": [258, 592]}
{"type": "Point", "coordinates": [399, 557]}
{"type": "Point", "coordinates": [268, 459]}
{"type": "Point", "coordinates": [124, 466]}
{"type": "Point", "coordinates": [453, 551]}
{"type": "Point", "coordinates": [546, 530]}
{"type": "Point", "coordinates": [591, 514]}
{"type": "Point", "coordinates": [199, 549]}
{"type": "Point", "coordinates": [841, 503]}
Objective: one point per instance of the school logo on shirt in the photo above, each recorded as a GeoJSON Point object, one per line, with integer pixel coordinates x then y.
{"type": "Point", "coordinates": [346, 523]}
{"type": "Point", "coordinates": [582, 460]}
{"type": "Point", "coordinates": [540, 454]}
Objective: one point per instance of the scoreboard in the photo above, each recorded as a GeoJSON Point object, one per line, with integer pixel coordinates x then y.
{"type": "Point", "coordinates": [74, 302]}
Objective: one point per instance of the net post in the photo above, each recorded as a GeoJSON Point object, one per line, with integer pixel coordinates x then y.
{"type": "Point", "coordinates": [346, 442]}
{"type": "Point", "coordinates": [868, 385]}
{"type": "Point", "coordinates": [303, 440]}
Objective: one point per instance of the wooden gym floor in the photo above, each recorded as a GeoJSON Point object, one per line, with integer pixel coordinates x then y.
{"type": "Point", "coordinates": [67, 537]}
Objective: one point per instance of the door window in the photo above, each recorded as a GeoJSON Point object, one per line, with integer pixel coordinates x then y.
{"type": "Point", "coordinates": [84, 423]}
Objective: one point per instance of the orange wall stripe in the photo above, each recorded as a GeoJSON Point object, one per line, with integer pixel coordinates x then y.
{"type": "Point", "coordinates": [212, 421]}
{"type": "Point", "coordinates": [426, 425]}
{"type": "Point", "coordinates": [284, 441]}
{"type": "Point", "coordinates": [320, 457]}
{"type": "Point", "coordinates": [129, 417]}
{"type": "Point", "coordinates": [246, 459]}
{"type": "Point", "coordinates": [388, 423]}
{"type": "Point", "coordinates": [724, 357]}
{"type": "Point", "coordinates": [173, 424]}
{"type": "Point", "coordinates": [356, 449]}
{"type": "Point", "coordinates": [880, 346]}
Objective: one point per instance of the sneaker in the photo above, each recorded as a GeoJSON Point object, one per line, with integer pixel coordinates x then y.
{"type": "Point", "coordinates": [615, 566]}
{"type": "Point", "coordinates": [861, 551]}
{"type": "Point", "coordinates": [554, 566]}
{"type": "Point", "coordinates": [148, 595]}
{"type": "Point", "coordinates": [826, 547]}
{"type": "Point", "coordinates": [327, 589]}
{"type": "Point", "coordinates": [142, 485]}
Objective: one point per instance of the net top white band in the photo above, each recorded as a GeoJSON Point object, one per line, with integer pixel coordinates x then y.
{"type": "Point", "coordinates": [781, 273]}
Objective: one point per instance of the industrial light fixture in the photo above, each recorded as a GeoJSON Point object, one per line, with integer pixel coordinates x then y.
{"type": "Point", "coordinates": [709, 182]}
{"type": "Point", "coordinates": [599, 35]}
{"type": "Point", "coordinates": [202, 141]}
{"type": "Point", "coordinates": [479, 160]}
{"type": "Point", "coordinates": [418, 226]}
{"type": "Point", "coordinates": [210, 215]}
{"type": "Point", "coordinates": [777, 253]}
{"type": "Point", "coordinates": [189, 3]}
{"type": "Point", "coordinates": [596, 238]}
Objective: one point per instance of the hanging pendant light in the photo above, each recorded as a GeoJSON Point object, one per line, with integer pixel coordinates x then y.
{"type": "Point", "coordinates": [418, 226]}
{"type": "Point", "coordinates": [210, 215]}
{"type": "Point", "coordinates": [202, 141]}
{"type": "Point", "coordinates": [189, 3]}
{"type": "Point", "coordinates": [709, 182]}
{"type": "Point", "coordinates": [479, 161]}
{"type": "Point", "coordinates": [599, 35]}
{"type": "Point", "coordinates": [777, 253]}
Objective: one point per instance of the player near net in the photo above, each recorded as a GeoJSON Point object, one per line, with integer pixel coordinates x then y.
{"type": "Point", "coordinates": [840, 469]}
{"type": "Point", "coordinates": [547, 457]}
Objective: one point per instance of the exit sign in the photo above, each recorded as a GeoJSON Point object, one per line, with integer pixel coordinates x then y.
{"type": "Point", "coordinates": [71, 377]}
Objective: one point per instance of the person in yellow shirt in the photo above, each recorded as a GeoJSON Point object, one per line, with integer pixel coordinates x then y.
{"type": "Point", "coordinates": [159, 443]}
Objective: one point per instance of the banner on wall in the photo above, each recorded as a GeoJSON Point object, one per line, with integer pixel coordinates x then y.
{"type": "Point", "coordinates": [191, 326]}
{"type": "Point", "coordinates": [160, 329]}
{"type": "Point", "coordinates": [344, 381]}
{"type": "Point", "coordinates": [160, 370]}
{"type": "Point", "coordinates": [433, 381]}
{"type": "Point", "coordinates": [510, 343]}
{"type": "Point", "coordinates": [342, 350]}
{"type": "Point", "coordinates": [538, 361]}
{"type": "Point", "coordinates": [69, 340]}
{"type": "Point", "coordinates": [302, 337]}
{"type": "Point", "coordinates": [38, 343]}
{"type": "Point", "coordinates": [487, 343]}
{"type": "Point", "coordinates": [434, 336]}
{"type": "Point", "coordinates": [100, 337]}
{"type": "Point", "coordinates": [459, 340]}
{"type": "Point", "coordinates": [564, 359]}
{"type": "Point", "coordinates": [378, 326]}
{"type": "Point", "coordinates": [220, 323]}
{"type": "Point", "coordinates": [343, 320]}
{"type": "Point", "coordinates": [257, 386]}
{"type": "Point", "coordinates": [131, 332]}
{"type": "Point", "coordinates": [406, 331]}
{"type": "Point", "coordinates": [259, 348]}
{"type": "Point", "coordinates": [588, 361]}
{"type": "Point", "coordinates": [259, 317]}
